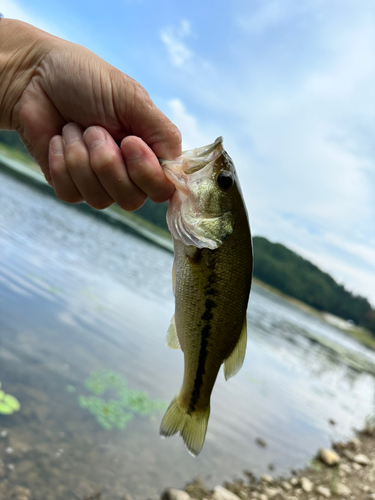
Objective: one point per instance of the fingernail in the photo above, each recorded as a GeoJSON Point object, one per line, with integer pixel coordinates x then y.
{"type": "Point", "coordinates": [57, 145]}
{"type": "Point", "coordinates": [93, 137]}
{"type": "Point", "coordinates": [71, 133]}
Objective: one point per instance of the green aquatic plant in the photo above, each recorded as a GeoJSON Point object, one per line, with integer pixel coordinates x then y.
{"type": "Point", "coordinates": [114, 403]}
{"type": "Point", "coordinates": [8, 403]}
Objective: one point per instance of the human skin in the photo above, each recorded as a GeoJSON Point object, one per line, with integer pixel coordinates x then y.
{"type": "Point", "coordinates": [94, 131]}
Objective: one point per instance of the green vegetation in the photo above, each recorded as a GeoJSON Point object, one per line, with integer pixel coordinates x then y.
{"type": "Point", "coordinates": [8, 404]}
{"type": "Point", "coordinates": [283, 269]}
{"type": "Point", "coordinates": [114, 404]}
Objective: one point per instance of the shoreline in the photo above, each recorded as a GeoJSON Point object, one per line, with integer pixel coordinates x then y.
{"type": "Point", "coordinates": [132, 223]}
{"type": "Point", "coordinates": [345, 472]}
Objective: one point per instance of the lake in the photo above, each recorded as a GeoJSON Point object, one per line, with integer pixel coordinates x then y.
{"type": "Point", "coordinates": [79, 295]}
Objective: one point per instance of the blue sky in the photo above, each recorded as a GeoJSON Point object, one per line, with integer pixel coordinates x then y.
{"type": "Point", "coordinates": [291, 87]}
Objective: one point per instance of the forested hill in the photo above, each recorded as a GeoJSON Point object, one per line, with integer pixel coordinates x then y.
{"type": "Point", "coordinates": [287, 271]}
{"type": "Point", "coordinates": [275, 265]}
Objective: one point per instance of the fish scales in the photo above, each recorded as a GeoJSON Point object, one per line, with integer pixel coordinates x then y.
{"type": "Point", "coordinates": [212, 287]}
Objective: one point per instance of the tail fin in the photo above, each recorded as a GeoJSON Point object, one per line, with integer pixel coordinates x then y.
{"type": "Point", "coordinates": [192, 426]}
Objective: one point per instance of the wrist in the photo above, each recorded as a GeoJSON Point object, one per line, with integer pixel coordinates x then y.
{"type": "Point", "coordinates": [22, 48]}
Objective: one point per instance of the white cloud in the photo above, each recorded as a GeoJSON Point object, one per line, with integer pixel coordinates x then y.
{"type": "Point", "coordinates": [11, 9]}
{"type": "Point", "coordinates": [173, 39]}
{"type": "Point", "coordinates": [192, 135]}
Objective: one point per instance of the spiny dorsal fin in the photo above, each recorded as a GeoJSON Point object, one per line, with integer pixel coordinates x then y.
{"type": "Point", "coordinates": [234, 362]}
{"type": "Point", "coordinates": [172, 339]}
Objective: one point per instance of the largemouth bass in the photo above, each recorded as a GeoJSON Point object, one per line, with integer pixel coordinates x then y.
{"type": "Point", "coordinates": [211, 281]}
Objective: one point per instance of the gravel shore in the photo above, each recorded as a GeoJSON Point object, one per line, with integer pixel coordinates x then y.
{"type": "Point", "coordinates": [345, 472]}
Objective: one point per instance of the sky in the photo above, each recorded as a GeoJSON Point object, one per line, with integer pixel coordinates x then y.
{"type": "Point", "coordinates": [290, 86]}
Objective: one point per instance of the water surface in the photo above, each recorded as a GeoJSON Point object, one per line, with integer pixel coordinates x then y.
{"type": "Point", "coordinates": [77, 295]}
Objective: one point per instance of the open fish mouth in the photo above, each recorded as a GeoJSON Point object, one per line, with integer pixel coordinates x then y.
{"type": "Point", "coordinates": [193, 160]}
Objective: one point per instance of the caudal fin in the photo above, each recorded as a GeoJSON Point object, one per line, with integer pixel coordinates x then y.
{"type": "Point", "coordinates": [192, 426]}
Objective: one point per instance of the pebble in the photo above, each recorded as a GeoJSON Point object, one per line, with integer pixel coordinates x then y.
{"type": "Point", "coordinates": [325, 492]}
{"type": "Point", "coordinates": [371, 496]}
{"type": "Point", "coordinates": [342, 490]}
{"type": "Point", "coordinates": [356, 466]}
{"type": "Point", "coordinates": [294, 481]}
{"type": "Point", "coordinates": [263, 497]}
{"type": "Point", "coordinates": [267, 479]}
{"type": "Point", "coordinates": [174, 494]}
{"type": "Point", "coordinates": [221, 493]}
{"type": "Point", "coordinates": [271, 492]}
{"type": "Point", "coordinates": [261, 442]}
{"type": "Point", "coordinates": [329, 457]}
{"type": "Point", "coordinates": [345, 468]}
{"type": "Point", "coordinates": [286, 486]}
{"type": "Point", "coordinates": [306, 484]}
{"type": "Point", "coordinates": [361, 459]}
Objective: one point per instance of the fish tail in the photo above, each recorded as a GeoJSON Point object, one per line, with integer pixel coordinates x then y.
{"type": "Point", "coordinates": [191, 425]}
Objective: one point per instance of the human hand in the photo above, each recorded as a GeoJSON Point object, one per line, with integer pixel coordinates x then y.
{"type": "Point", "coordinates": [72, 109]}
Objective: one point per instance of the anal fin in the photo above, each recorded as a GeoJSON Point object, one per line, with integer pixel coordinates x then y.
{"type": "Point", "coordinates": [235, 360]}
{"type": "Point", "coordinates": [172, 338]}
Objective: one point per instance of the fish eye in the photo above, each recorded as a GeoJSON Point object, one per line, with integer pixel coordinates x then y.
{"type": "Point", "coordinates": [225, 180]}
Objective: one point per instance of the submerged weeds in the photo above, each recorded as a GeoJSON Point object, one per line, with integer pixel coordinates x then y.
{"type": "Point", "coordinates": [114, 404]}
{"type": "Point", "coordinates": [8, 403]}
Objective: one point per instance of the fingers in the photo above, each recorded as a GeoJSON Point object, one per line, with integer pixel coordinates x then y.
{"type": "Point", "coordinates": [144, 169]}
{"type": "Point", "coordinates": [109, 166]}
{"type": "Point", "coordinates": [90, 166]}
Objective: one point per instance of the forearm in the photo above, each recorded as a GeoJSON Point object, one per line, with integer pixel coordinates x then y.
{"type": "Point", "coordinates": [22, 47]}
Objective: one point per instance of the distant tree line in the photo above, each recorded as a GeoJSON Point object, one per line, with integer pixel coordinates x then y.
{"type": "Point", "coordinates": [287, 271]}
{"type": "Point", "coordinates": [12, 139]}
{"type": "Point", "coordinates": [275, 265]}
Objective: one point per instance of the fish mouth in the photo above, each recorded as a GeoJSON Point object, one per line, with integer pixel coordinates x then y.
{"type": "Point", "coordinates": [194, 160]}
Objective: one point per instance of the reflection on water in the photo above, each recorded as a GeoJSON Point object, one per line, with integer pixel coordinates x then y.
{"type": "Point", "coordinates": [78, 295]}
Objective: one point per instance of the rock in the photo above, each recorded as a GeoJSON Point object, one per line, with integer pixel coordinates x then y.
{"type": "Point", "coordinates": [355, 444]}
{"type": "Point", "coordinates": [365, 488]}
{"type": "Point", "coordinates": [356, 466]}
{"type": "Point", "coordinates": [267, 479]}
{"type": "Point", "coordinates": [263, 497]}
{"type": "Point", "coordinates": [174, 494]}
{"type": "Point", "coordinates": [220, 493]}
{"type": "Point", "coordinates": [371, 496]}
{"type": "Point", "coordinates": [306, 484]}
{"type": "Point", "coordinates": [361, 459]}
{"type": "Point", "coordinates": [329, 457]}
{"type": "Point", "coordinates": [325, 492]}
{"type": "Point", "coordinates": [20, 491]}
{"type": "Point", "coordinates": [345, 468]}
{"type": "Point", "coordinates": [342, 490]}
{"type": "Point", "coordinates": [294, 481]}
{"type": "Point", "coordinates": [271, 492]}
{"type": "Point", "coordinates": [261, 442]}
{"type": "Point", "coordinates": [286, 486]}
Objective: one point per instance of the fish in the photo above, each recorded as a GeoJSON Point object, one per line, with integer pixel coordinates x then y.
{"type": "Point", "coordinates": [211, 277]}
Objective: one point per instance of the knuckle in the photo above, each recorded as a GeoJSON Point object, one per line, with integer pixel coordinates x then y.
{"type": "Point", "coordinates": [69, 197]}
{"type": "Point", "coordinates": [132, 203]}
{"type": "Point", "coordinates": [105, 163]}
{"type": "Point", "coordinates": [76, 156]}
{"type": "Point", "coordinates": [100, 203]}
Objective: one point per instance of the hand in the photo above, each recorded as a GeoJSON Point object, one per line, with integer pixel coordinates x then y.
{"type": "Point", "coordinates": [74, 110]}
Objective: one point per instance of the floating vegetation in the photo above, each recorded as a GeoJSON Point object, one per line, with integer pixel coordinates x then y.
{"type": "Point", "coordinates": [114, 404]}
{"type": "Point", "coordinates": [8, 403]}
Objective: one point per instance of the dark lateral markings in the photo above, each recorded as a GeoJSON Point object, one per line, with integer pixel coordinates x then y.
{"type": "Point", "coordinates": [203, 352]}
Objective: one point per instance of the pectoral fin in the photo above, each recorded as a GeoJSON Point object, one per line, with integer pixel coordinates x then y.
{"type": "Point", "coordinates": [234, 362]}
{"type": "Point", "coordinates": [172, 339]}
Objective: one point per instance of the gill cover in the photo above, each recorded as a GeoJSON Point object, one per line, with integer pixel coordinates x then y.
{"type": "Point", "coordinates": [190, 217]}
